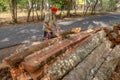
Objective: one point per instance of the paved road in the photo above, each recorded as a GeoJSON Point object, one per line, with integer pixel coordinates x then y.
{"type": "Point", "coordinates": [10, 36]}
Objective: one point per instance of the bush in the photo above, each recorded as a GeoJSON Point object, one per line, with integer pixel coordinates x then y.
{"type": "Point", "coordinates": [3, 7]}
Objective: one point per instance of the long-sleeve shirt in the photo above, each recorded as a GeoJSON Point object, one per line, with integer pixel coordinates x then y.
{"type": "Point", "coordinates": [51, 20]}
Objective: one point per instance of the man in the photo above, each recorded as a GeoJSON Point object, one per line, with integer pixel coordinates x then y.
{"type": "Point", "coordinates": [49, 22]}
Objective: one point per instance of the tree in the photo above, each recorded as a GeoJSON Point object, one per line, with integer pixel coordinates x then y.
{"type": "Point", "coordinates": [94, 6]}
{"type": "Point", "coordinates": [3, 5]}
{"type": "Point", "coordinates": [32, 8]}
{"type": "Point", "coordinates": [42, 9]}
{"type": "Point", "coordinates": [13, 9]}
{"type": "Point", "coordinates": [112, 5]}
{"type": "Point", "coordinates": [22, 4]}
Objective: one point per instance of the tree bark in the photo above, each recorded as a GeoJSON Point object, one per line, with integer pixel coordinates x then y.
{"type": "Point", "coordinates": [94, 6]}
{"type": "Point", "coordinates": [29, 9]}
{"type": "Point", "coordinates": [86, 7]}
{"type": "Point", "coordinates": [69, 6]}
{"type": "Point", "coordinates": [13, 10]}
{"type": "Point", "coordinates": [42, 9]}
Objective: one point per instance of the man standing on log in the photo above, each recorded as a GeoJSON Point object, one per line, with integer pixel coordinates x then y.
{"type": "Point", "coordinates": [49, 22]}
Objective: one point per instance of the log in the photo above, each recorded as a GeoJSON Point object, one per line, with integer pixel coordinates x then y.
{"type": "Point", "coordinates": [86, 47]}
{"type": "Point", "coordinates": [15, 59]}
{"type": "Point", "coordinates": [87, 68]}
{"type": "Point", "coordinates": [41, 73]}
{"type": "Point", "coordinates": [109, 65]}
{"type": "Point", "coordinates": [39, 59]}
{"type": "Point", "coordinates": [118, 39]}
{"type": "Point", "coordinates": [4, 72]}
{"type": "Point", "coordinates": [65, 33]}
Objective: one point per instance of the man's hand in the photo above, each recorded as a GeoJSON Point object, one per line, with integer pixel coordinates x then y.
{"type": "Point", "coordinates": [48, 26]}
{"type": "Point", "coordinates": [58, 29]}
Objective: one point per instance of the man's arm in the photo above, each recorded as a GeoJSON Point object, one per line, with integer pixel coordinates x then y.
{"type": "Point", "coordinates": [48, 26]}
{"type": "Point", "coordinates": [46, 22]}
{"type": "Point", "coordinates": [57, 26]}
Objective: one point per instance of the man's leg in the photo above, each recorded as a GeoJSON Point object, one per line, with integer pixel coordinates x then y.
{"type": "Point", "coordinates": [51, 34]}
{"type": "Point", "coordinates": [45, 34]}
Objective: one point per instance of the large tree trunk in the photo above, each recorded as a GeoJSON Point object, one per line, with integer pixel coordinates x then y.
{"type": "Point", "coordinates": [86, 7]}
{"type": "Point", "coordinates": [13, 10]}
{"type": "Point", "coordinates": [93, 7]}
{"type": "Point", "coordinates": [32, 8]}
{"type": "Point", "coordinates": [42, 9]}
{"type": "Point", "coordinates": [29, 9]}
{"type": "Point", "coordinates": [75, 6]}
{"type": "Point", "coordinates": [36, 8]}
{"type": "Point", "coordinates": [69, 6]}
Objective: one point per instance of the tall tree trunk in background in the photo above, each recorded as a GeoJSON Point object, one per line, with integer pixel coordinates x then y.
{"type": "Point", "coordinates": [61, 10]}
{"type": "Point", "coordinates": [101, 3]}
{"type": "Point", "coordinates": [49, 1]}
{"type": "Point", "coordinates": [42, 9]}
{"type": "Point", "coordinates": [86, 7]}
{"type": "Point", "coordinates": [13, 10]}
{"type": "Point", "coordinates": [69, 6]}
{"type": "Point", "coordinates": [33, 5]}
{"type": "Point", "coordinates": [30, 6]}
{"type": "Point", "coordinates": [36, 8]}
{"type": "Point", "coordinates": [75, 1]}
{"type": "Point", "coordinates": [94, 6]}
{"type": "Point", "coordinates": [33, 9]}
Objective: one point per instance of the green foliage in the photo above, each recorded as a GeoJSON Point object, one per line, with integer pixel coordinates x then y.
{"type": "Point", "coordinates": [109, 5]}
{"type": "Point", "coordinates": [3, 5]}
{"type": "Point", "coordinates": [104, 1]}
{"type": "Point", "coordinates": [112, 5]}
{"type": "Point", "coordinates": [60, 3]}
{"type": "Point", "coordinates": [22, 3]}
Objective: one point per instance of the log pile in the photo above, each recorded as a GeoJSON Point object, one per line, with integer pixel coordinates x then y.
{"type": "Point", "coordinates": [5, 72]}
{"type": "Point", "coordinates": [55, 58]}
{"type": "Point", "coordinates": [30, 61]}
{"type": "Point", "coordinates": [116, 74]}
{"type": "Point", "coordinates": [113, 34]}
{"type": "Point", "coordinates": [21, 53]}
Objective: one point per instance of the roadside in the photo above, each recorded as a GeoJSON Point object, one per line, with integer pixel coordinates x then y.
{"type": "Point", "coordinates": [18, 34]}
{"type": "Point", "coordinates": [6, 20]}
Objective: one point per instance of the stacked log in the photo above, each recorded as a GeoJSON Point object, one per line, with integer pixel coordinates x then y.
{"type": "Point", "coordinates": [16, 58]}
{"type": "Point", "coordinates": [113, 34]}
{"type": "Point", "coordinates": [5, 72]}
{"type": "Point", "coordinates": [34, 62]}
{"type": "Point", "coordinates": [55, 58]}
{"type": "Point", "coordinates": [14, 61]}
{"type": "Point", "coordinates": [109, 65]}
{"type": "Point", "coordinates": [61, 67]}
{"type": "Point", "coordinates": [88, 68]}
